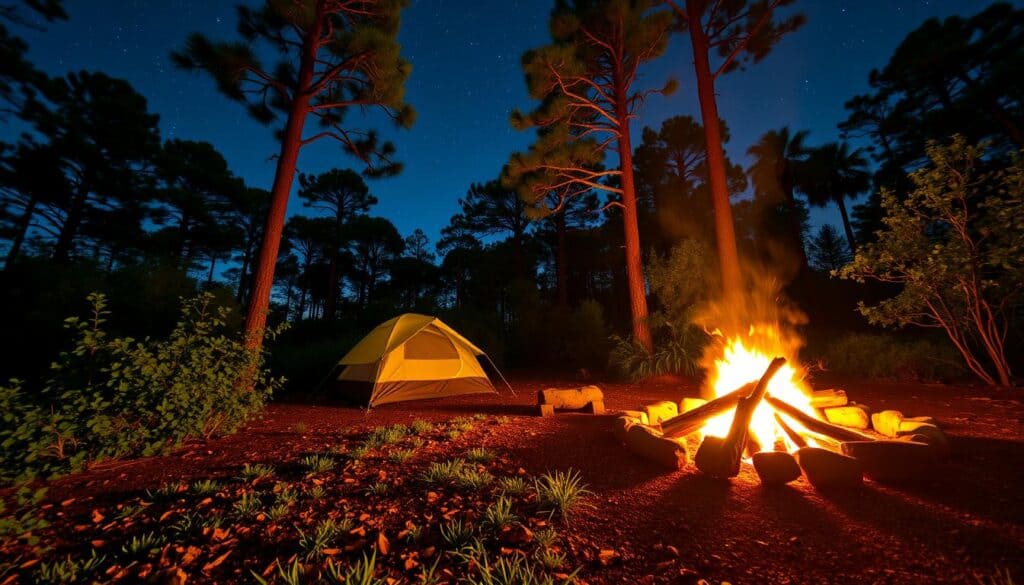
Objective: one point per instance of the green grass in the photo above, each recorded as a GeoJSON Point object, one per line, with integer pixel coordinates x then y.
{"type": "Point", "coordinates": [387, 435]}
{"type": "Point", "coordinates": [561, 492]}
{"type": "Point", "coordinates": [68, 570]}
{"type": "Point", "coordinates": [165, 491]}
{"type": "Point", "coordinates": [251, 472]}
{"type": "Point", "coordinates": [481, 455]}
{"type": "Point", "coordinates": [206, 487]}
{"type": "Point", "coordinates": [499, 514]}
{"type": "Point", "coordinates": [286, 494]}
{"type": "Point", "coordinates": [361, 572]}
{"type": "Point", "coordinates": [545, 538]}
{"type": "Point", "coordinates": [503, 420]}
{"type": "Point", "coordinates": [293, 575]}
{"type": "Point", "coordinates": [316, 492]}
{"type": "Point", "coordinates": [317, 463]}
{"type": "Point", "coordinates": [248, 504]}
{"type": "Point", "coordinates": [474, 479]}
{"type": "Point", "coordinates": [513, 485]}
{"type": "Point", "coordinates": [379, 488]}
{"type": "Point", "coordinates": [421, 426]}
{"type": "Point", "coordinates": [312, 544]}
{"type": "Point", "coordinates": [443, 471]}
{"type": "Point", "coordinates": [277, 512]}
{"type": "Point", "coordinates": [143, 545]}
{"type": "Point", "coordinates": [359, 453]}
{"type": "Point", "coordinates": [549, 559]}
{"type": "Point", "coordinates": [456, 534]}
{"type": "Point", "coordinates": [402, 455]}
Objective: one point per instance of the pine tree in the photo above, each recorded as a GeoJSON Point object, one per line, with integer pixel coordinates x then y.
{"type": "Point", "coordinates": [337, 56]}
{"type": "Point", "coordinates": [739, 32]}
{"type": "Point", "coordinates": [586, 83]}
{"type": "Point", "coordinates": [827, 251]}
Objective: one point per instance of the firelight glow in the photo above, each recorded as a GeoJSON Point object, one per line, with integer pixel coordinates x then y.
{"type": "Point", "coordinates": [744, 360]}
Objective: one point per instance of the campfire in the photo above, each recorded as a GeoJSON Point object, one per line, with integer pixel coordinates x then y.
{"type": "Point", "coordinates": [763, 412]}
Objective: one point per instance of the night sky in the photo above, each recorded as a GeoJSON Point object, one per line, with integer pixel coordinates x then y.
{"type": "Point", "coordinates": [466, 79]}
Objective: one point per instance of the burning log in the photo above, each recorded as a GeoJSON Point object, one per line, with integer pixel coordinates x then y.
{"type": "Point", "coordinates": [589, 397]}
{"type": "Point", "coordinates": [814, 425]}
{"type": "Point", "coordinates": [720, 457]}
{"type": "Point", "coordinates": [887, 422]}
{"type": "Point", "coordinates": [690, 421]}
{"type": "Point", "coordinates": [793, 435]}
{"type": "Point", "coordinates": [854, 416]}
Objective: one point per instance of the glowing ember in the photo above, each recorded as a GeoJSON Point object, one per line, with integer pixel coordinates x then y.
{"type": "Point", "coordinates": [744, 360]}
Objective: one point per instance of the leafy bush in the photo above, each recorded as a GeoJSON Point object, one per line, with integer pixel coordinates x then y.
{"type": "Point", "coordinates": [676, 352]}
{"type": "Point", "coordinates": [888, 358]}
{"type": "Point", "coordinates": [111, 397]}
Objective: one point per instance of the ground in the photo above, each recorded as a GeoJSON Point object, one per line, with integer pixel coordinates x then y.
{"type": "Point", "coordinates": [639, 524]}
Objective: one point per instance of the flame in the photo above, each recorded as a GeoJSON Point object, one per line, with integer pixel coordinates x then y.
{"type": "Point", "coordinates": [743, 359]}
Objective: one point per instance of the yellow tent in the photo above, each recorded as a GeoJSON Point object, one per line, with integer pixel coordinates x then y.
{"type": "Point", "coordinates": [411, 357]}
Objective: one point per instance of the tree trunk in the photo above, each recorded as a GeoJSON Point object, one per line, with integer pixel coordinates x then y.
{"type": "Point", "coordinates": [209, 275]}
{"type": "Point", "coordinates": [725, 231]}
{"type": "Point", "coordinates": [561, 262]}
{"type": "Point", "coordinates": [66, 238]}
{"type": "Point", "coordinates": [846, 225]}
{"type": "Point", "coordinates": [291, 142]}
{"type": "Point", "coordinates": [19, 238]}
{"type": "Point", "coordinates": [331, 303]}
{"type": "Point", "coordinates": [634, 266]}
{"type": "Point", "coordinates": [243, 278]}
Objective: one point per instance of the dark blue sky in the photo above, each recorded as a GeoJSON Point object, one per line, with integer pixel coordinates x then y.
{"type": "Point", "coordinates": [466, 79]}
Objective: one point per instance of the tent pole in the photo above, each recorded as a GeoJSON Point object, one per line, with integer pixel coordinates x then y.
{"type": "Point", "coordinates": [500, 375]}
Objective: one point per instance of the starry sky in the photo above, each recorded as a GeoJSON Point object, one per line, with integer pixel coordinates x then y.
{"type": "Point", "coordinates": [466, 79]}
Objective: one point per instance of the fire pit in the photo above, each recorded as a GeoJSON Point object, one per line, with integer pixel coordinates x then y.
{"type": "Point", "coordinates": [782, 427]}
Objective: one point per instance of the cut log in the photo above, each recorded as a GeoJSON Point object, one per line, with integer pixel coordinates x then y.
{"type": "Point", "coordinates": [660, 411]}
{"type": "Point", "coordinates": [720, 457]}
{"type": "Point", "coordinates": [924, 419]}
{"type": "Point", "coordinates": [775, 467]}
{"type": "Point", "coordinates": [595, 407]}
{"type": "Point", "coordinates": [814, 425]}
{"type": "Point", "coordinates": [855, 416]}
{"type": "Point", "coordinates": [688, 404]}
{"type": "Point", "coordinates": [826, 469]}
{"type": "Point", "coordinates": [570, 398]}
{"type": "Point", "coordinates": [690, 421]}
{"type": "Point", "coordinates": [545, 410]}
{"type": "Point", "coordinates": [887, 422]}
{"type": "Point", "coordinates": [894, 461]}
{"type": "Point", "coordinates": [651, 445]}
{"type": "Point", "coordinates": [828, 398]}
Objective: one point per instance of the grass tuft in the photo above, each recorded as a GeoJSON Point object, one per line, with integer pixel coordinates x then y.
{"type": "Point", "coordinates": [257, 471]}
{"type": "Point", "coordinates": [561, 492]}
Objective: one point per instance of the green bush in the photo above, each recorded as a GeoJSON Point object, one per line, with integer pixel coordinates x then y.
{"type": "Point", "coordinates": [676, 351]}
{"type": "Point", "coordinates": [885, 357]}
{"type": "Point", "coordinates": [111, 397]}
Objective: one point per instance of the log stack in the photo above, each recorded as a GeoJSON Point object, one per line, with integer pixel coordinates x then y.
{"type": "Point", "coordinates": [834, 450]}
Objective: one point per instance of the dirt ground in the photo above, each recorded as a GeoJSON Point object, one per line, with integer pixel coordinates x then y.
{"type": "Point", "coordinates": [679, 527]}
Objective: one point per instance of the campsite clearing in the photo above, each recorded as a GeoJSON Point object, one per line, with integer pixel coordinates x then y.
{"type": "Point", "coordinates": [639, 524]}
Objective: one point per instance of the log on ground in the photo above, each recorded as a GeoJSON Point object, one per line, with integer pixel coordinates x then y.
{"type": "Point", "coordinates": [828, 398]}
{"type": "Point", "coordinates": [661, 411]}
{"type": "Point", "coordinates": [570, 398]}
{"type": "Point", "coordinates": [894, 461]}
{"type": "Point", "coordinates": [690, 421]}
{"type": "Point", "coordinates": [826, 469]}
{"type": "Point", "coordinates": [775, 467]}
{"type": "Point", "coordinates": [856, 416]}
{"type": "Point", "coordinates": [652, 446]}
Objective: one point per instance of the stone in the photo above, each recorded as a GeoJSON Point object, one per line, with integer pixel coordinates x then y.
{"type": "Point", "coordinates": [887, 422]}
{"type": "Point", "coordinates": [893, 461]}
{"type": "Point", "coordinates": [775, 467]}
{"type": "Point", "coordinates": [826, 469]}
{"type": "Point", "coordinates": [649, 444]}
{"type": "Point", "coordinates": [855, 416]}
{"type": "Point", "coordinates": [660, 411]}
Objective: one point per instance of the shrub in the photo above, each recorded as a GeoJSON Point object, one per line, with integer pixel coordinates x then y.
{"type": "Point", "coordinates": [677, 351]}
{"type": "Point", "coordinates": [111, 397]}
{"type": "Point", "coordinates": [886, 357]}
{"type": "Point", "coordinates": [420, 426]}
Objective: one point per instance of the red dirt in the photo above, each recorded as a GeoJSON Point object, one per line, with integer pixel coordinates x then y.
{"type": "Point", "coordinates": [968, 521]}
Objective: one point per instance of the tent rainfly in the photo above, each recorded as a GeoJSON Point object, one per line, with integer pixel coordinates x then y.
{"type": "Point", "coordinates": [411, 357]}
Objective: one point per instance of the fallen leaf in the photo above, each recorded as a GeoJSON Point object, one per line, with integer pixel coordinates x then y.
{"type": "Point", "coordinates": [220, 533]}
{"type": "Point", "coordinates": [97, 517]}
{"type": "Point", "coordinates": [383, 546]}
{"type": "Point", "coordinates": [215, 562]}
